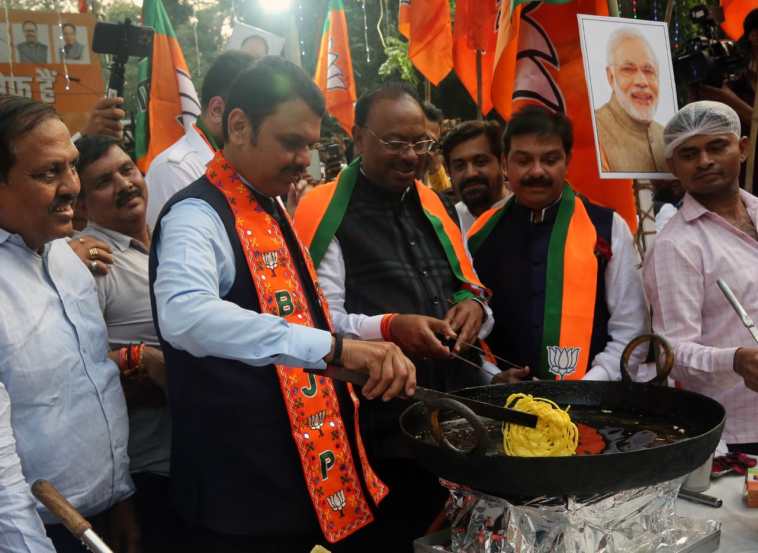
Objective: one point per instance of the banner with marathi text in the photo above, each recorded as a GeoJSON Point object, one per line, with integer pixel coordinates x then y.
{"type": "Point", "coordinates": [33, 49]}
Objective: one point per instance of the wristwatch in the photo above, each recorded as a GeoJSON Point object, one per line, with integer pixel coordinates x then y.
{"type": "Point", "coordinates": [337, 355]}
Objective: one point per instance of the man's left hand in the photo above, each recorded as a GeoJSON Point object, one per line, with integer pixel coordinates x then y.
{"type": "Point", "coordinates": [466, 319]}
{"type": "Point", "coordinates": [297, 191]}
{"type": "Point", "coordinates": [123, 529]}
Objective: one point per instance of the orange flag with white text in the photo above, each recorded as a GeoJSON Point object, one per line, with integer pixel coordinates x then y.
{"type": "Point", "coordinates": [539, 61]}
{"type": "Point", "coordinates": [404, 18]}
{"type": "Point", "coordinates": [475, 29]}
{"type": "Point", "coordinates": [334, 67]}
{"type": "Point", "coordinates": [735, 12]}
{"type": "Point", "coordinates": [430, 46]}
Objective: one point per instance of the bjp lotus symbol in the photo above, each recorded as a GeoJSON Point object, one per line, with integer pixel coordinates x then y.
{"type": "Point", "coordinates": [562, 361]}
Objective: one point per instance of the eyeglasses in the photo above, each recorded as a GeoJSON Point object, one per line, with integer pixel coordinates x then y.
{"type": "Point", "coordinates": [400, 146]}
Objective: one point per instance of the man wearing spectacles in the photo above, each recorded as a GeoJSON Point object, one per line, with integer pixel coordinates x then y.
{"type": "Point", "coordinates": [630, 139]}
{"type": "Point", "coordinates": [392, 263]}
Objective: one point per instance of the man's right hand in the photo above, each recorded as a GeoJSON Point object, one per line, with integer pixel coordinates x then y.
{"type": "Point", "coordinates": [105, 118]}
{"type": "Point", "coordinates": [746, 365]}
{"type": "Point", "coordinates": [390, 372]}
{"type": "Point", "coordinates": [94, 253]}
{"type": "Point", "coordinates": [417, 335]}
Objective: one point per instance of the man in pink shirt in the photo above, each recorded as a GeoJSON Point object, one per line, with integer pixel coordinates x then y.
{"type": "Point", "coordinates": [713, 236]}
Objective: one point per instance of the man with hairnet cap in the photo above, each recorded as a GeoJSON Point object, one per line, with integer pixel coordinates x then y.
{"type": "Point", "coordinates": [712, 236]}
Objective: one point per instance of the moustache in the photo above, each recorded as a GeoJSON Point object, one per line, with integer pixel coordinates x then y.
{"type": "Point", "coordinates": [125, 196]}
{"type": "Point", "coordinates": [474, 180]}
{"type": "Point", "coordinates": [404, 167]}
{"type": "Point", "coordinates": [707, 173]}
{"type": "Point", "coordinates": [537, 182]}
{"type": "Point", "coordinates": [61, 201]}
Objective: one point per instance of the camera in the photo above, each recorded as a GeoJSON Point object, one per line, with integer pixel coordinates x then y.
{"type": "Point", "coordinates": [708, 58]}
{"type": "Point", "coordinates": [122, 41]}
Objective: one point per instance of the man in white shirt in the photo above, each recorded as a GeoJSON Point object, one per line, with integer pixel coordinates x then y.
{"type": "Point", "coordinates": [472, 156]}
{"type": "Point", "coordinates": [184, 162]}
{"type": "Point", "coordinates": [69, 415]}
{"type": "Point", "coordinates": [21, 529]}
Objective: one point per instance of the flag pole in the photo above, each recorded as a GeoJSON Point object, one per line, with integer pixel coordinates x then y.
{"type": "Point", "coordinates": [669, 11]}
{"type": "Point", "coordinates": [292, 43]}
{"type": "Point", "coordinates": [750, 169]}
{"type": "Point", "coordinates": [479, 114]}
{"type": "Point", "coordinates": [643, 196]}
{"type": "Point", "coordinates": [427, 90]}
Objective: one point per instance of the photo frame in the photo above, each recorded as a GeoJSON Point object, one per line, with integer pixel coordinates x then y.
{"type": "Point", "coordinates": [632, 93]}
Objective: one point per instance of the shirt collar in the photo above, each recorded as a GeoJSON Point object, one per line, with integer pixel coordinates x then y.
{"type": "Point", "coordinates": [382, 193]}
{"type": "Point", "coordinates": [197, 143]}
{"type": "Point", "coordinates": [14, 238]}
{"type": "Point", "coordinates": [266, 202]}
{"type": "Point", "coordinates": [692, 209]}
{"type": "Point", "coordinates": [121, 241]}
{"type": "Point", "coordinates": [546, 214]}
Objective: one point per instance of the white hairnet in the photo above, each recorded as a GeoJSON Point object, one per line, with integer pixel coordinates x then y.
{"type": "Point", "coordinates": [703, 117]}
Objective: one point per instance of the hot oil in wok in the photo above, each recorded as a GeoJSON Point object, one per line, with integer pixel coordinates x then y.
{"type": "Point", "coordinates": [600, 431]}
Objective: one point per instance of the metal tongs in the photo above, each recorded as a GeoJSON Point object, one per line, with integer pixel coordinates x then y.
{"type": "Point", "coordinates": [737, 306]}
{"type": "Point", "coordinates": [427, 395]}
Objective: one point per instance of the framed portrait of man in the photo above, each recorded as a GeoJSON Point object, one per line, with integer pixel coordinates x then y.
{"type": "Point", "coordinates": [256, 42]}
{"type": "Point", "coordinates": [632, 92]}
{"type": "Point", "coordinates": [71, 43]}
{"type": "Point", "coordinates": [32, 42]}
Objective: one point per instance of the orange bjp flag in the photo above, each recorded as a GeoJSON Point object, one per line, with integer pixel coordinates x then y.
{"type": "Point", "coordinates": [475, 29]}
{"type": "Point", "coordinates": [430, 46]}
{"type": "Point", "coordinates": [539, 61]}
{"type": "Point", "coordinates": [334, 67]}
{"type": "Point", "coordinates": [404, 18]}
{"type": "Point", "coordinates": [735, 12]}
{"type": "Point", "coordinates": [169, 105]}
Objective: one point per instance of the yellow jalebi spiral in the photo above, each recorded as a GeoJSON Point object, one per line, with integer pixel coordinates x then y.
{"type": "Point", "coordinates": [555, 435]}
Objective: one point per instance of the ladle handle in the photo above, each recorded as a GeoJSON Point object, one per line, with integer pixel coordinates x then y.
{"type": "Point", "coordinates": [663, 363]}
{"type": "Point", "coordinates": [433, 408]}
{"type": "Point", "coordinates": [60, 508]}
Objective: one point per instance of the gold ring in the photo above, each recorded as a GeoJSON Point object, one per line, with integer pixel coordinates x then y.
{"type": "Point", "coordinates": [93, 253]}
{"type": "Point", "coordinates": [81, 240]}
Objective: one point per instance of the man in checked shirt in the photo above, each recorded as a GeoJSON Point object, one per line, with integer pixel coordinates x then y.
{"type": "Point", "coordinates": [713, 236]}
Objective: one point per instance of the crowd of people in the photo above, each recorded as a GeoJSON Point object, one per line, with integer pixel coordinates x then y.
{"type": "Point", "coordinates": [162, 364]}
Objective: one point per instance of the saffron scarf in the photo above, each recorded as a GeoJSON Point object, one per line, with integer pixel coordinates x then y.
{"type": "Point", "coordinates": [321, 211]}
{"type": "Point", "coordinates": [312, 405]}
{"type": "Point", "coordinates": [570, 285]}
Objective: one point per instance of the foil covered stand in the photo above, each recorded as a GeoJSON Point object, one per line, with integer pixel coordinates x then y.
{"type": "Point", "coordinates": [641, 520]}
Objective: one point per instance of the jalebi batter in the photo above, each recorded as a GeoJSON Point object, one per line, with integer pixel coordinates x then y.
{"type": "Point", "coordinates": [554, 436]}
